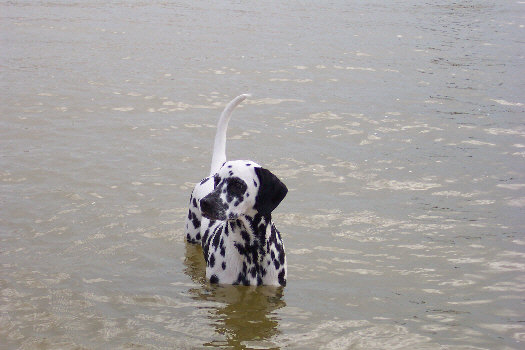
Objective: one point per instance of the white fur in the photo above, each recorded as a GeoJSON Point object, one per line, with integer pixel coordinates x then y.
{"type": "Point", "coordinates": [219, 146]}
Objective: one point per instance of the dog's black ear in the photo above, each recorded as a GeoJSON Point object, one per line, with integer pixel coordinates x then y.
{"type": "Point", "coordinates": [271, 191]}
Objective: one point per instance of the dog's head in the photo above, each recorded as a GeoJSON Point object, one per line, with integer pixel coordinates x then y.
{"type": "Point", "coordinates": [242, 188]}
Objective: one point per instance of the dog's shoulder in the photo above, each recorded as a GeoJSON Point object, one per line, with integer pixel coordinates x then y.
{"type": "Point", "coordinates": [274, 262]}
{"type": "Point", "coordinates": [211, 237]}
{"type": "Point", "coordinates": [217, 249]}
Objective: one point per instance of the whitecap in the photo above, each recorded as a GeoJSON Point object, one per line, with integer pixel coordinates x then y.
{"type": "Point", "coordinates": [517, 202]}
{"type": "Point", "coordinates": [123, 109]}
{"type": "Point", "coordinates": [507, 266]}
{"type": "Point", "coordinates": [478, 143]}
{"type": "Point", "coordinates": [401, 185]}
{"type": "Point", "coordinates": [511, 186]}
{"type": "Point", "coordinates": [507, 103]}
{"type": "Point", "coordinates": [94, 280]}
{"type": "Point", "coordinates": [453, 194]}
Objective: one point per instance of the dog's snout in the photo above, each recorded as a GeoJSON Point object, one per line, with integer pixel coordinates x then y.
{"type": "Point", "coordinates": [212, 208]}
{"type": "Point", "coordinates": [206, 205]}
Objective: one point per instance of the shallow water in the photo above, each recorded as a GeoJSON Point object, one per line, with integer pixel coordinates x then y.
{"type": "Point", "coordinates": [397, 126]}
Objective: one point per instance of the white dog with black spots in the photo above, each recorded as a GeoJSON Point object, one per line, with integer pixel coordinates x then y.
{"type": "Point", "coordinates": [230, 216]}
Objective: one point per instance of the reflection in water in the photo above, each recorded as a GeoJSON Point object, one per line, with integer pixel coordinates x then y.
{"type": "Point", "coordinates": [243, 316]}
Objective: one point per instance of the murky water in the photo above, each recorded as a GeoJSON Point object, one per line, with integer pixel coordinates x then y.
{"type": "Point", "coordinates": [397, 126]}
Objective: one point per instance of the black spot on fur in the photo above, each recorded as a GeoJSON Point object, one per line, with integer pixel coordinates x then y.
{"type": "Point", "coordinates": [253, 271]}
{"type": "Point", "coordinates": [224, 265]}
{"type": "Point", "coordinates": [194, 220]}
{"type": "Point", "coordinates": [236, 187]}
{"type": "Point", "coordinates": [282, 280]}
{"type": "Point", "coordinates": [245, 236]}
{"type": "Point", "coordinates": [273, 234]}
{"type": "Point", "coordinates": [276, 264]}
{"type": "Point", "coordinates": [216, 180]}
{"type": "Point", "coordinates": [241, 278]}
{"type": "Point", "coordinates": [240, 248]}
{"type": "Point", "coordinates": [211, 260]}
{"type": "Point", "coordinates": [216, 238]}
{"type": "Point", "coordinates": [205, 246]}
{"type": "Point", "coordinates": [214, 279]}
{"type": "Point", "coordinates": [204, 181]}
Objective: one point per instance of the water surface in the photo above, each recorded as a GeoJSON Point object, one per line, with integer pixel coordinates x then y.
{"type": "Point", "coordinates": [397, 126]}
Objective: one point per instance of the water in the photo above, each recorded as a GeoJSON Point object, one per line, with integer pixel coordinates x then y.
{"type": "Point", "coordinates": [397, 126]}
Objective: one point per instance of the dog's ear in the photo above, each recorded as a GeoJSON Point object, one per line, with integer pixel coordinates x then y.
{"type": "Point", "coordinates": [271, 191]}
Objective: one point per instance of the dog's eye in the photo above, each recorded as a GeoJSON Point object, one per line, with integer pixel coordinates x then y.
{"type": "Point", "coordinates": [236, 187]}
{"type": "Point", "coordinates": [216, 180]}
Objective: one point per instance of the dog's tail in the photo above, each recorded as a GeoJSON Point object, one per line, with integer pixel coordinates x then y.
{"type": "Point", "coordinates": [219, 147]}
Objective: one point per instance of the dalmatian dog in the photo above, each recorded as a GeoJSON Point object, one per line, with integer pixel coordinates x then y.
{"type": "Point", "coordinates": [230, 216]}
